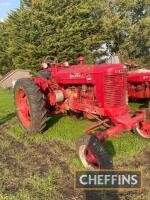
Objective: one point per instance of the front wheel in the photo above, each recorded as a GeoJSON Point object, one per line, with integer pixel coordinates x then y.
{"type": "Point", "coordinates": [92, 154]}
{"type": "Point", "coordinates": [143, 129]}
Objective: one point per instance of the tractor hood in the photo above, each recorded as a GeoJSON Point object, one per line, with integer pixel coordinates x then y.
{"type": "Point", "coordinates": [85, 74]}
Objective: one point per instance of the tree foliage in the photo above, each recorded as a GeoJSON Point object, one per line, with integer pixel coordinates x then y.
{"type": "Point", "coordinates": [68, 28]}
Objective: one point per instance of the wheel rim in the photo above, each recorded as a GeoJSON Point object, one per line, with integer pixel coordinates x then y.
{"type": "Point", "coordinates": [144, 129]}
{"type": "Point", "coordinates": [23, 108]}
{"type": "Point", "coordinates": [88, 159]}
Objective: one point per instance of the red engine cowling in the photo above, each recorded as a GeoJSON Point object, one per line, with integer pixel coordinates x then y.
{"type": "Point", "coordinates": [139, 84]}
{"type": "Point", "coordinates": [139, 90]}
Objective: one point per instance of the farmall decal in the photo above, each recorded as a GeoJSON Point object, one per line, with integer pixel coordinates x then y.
{"type": "Point", "coordinates": [76, 75]}
{"type": "Point", "coordinates": [120, 71]}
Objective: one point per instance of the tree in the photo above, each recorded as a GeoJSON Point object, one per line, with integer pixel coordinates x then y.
{"type": "Point", "coordinates": [68, 28]}
{"type": "Point", "coordinates": [128, 29]}
{"type": "Point", "coordinates": [43, 28]}
{"type": "Point", "coordinates": [4, 58]}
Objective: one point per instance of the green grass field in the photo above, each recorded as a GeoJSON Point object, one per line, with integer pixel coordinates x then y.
{"type": "Point", "coordinates": [41, 166]}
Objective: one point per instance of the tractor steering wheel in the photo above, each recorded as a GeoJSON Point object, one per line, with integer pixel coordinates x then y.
{"type": "Point", "coordinates": [51, 60]}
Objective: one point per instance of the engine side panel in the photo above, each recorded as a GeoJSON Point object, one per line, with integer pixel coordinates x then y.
{"type": "Point", "coordinates": [138, 77]}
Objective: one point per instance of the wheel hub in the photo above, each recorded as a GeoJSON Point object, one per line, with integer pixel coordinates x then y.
{"type": "Point", "coordinates": [91, 159]}
{"type": "Point", "coordinates": [23, 108]}
{"type": "Point", "coordinates": [88, 159]}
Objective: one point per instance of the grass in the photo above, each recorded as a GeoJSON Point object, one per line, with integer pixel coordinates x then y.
{"type": "Point", "coordinates": [31, 167]}
{"type": "Point", "coordinates": [6, 105]}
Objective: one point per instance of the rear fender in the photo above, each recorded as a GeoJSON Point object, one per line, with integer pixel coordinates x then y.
{"type": "Point", "coordinates": [42, 83]}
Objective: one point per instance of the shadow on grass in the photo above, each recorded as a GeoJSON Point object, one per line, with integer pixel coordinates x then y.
{"type": "Point", "coordinates": [7, 118]}
{"type": "Point", "coordinates": [52, 121]}
{"type": "Point", "coordinates": [108, 145]}
{"type": "Point", "coordinates": [143, 103]}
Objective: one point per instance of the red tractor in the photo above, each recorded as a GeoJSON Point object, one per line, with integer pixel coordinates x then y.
{"type": "Point", "coordinates": [96, 90]}
{"type": "Point", "coordinates": [139, 85]}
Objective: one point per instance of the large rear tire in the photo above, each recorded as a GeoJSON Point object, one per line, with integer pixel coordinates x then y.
{"type": "Point", "coordinates": [92, 154]}
{"type": "Point", "coordinates": [30, 105]}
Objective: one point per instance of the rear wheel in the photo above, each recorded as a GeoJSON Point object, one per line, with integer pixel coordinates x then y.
{"type": "Point", "coordinates": [30, 105]}
{"type": "Point", "coordinates": [92, 154]}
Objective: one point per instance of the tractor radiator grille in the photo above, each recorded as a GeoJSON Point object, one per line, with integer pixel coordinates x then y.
{"type": "Point", "coordinates": [115, 90]}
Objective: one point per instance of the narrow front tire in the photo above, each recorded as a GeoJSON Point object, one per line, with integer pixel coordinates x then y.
{"type": "Point", "coordinates": [92, 154]}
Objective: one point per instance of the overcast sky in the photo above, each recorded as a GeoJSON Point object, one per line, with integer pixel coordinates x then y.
{"type": "Point", "coordinates": [6, 6]}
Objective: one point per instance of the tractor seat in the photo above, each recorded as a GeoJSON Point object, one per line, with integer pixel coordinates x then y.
{"type": "Point", "coordinates": [44, 73]}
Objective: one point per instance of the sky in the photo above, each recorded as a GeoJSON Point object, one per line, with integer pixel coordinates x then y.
{"type": "Point", "coordinates": [6, 6]}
